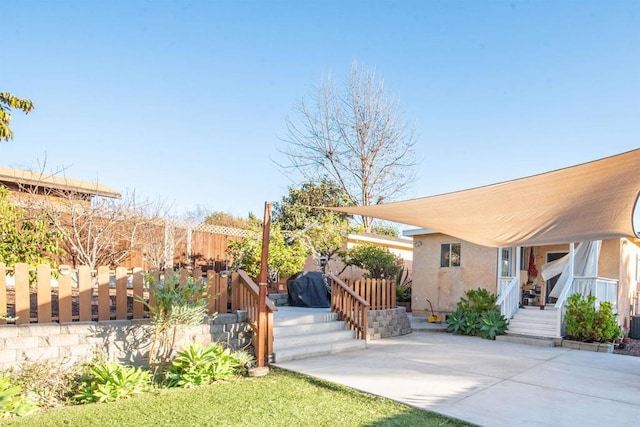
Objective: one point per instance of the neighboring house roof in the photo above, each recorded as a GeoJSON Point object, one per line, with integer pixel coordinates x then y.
{"type": "Point", "coordinates": [22, 178]}
{"type": "Point", "coordinates": [591, 201]}
{"type": "Point", "coordinates": [377, 238]}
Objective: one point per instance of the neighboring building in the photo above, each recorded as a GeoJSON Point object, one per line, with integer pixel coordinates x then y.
{"type": "Point", "coordinates": [399, 246]}
{"type": "Point", "coordinates": [446, 267]}
{"type": "Point", "coordinates": [23, 184]}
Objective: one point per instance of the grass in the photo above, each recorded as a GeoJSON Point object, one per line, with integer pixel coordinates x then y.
{"type": "Point", "coordinates": [281, 398]}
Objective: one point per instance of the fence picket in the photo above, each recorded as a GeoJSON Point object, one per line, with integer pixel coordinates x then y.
{"type": "Point", "coordinates": [85, 293]}
{"type": "Point", "coordinates": [104, 300]}
{"type": "Point", "coordinates": [64, 296]}
{"type": "Point", "coordinates": [121, 293]}
{"type": "Point", "coordinates": [23, 299]}
{"type": "Point", "coordinates": [44, 293]}
{"type": "Point", "coordinates": [138, 293]}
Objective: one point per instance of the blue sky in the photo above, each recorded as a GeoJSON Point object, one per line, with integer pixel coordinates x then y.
{"type": "Point", "coordinates": [187, 100]}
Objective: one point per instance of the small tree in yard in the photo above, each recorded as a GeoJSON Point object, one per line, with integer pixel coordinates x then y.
{"type": "Point", "coordinates": [285, 257]}
{"type": "Point", "coordinates": [379, 262]}
{"type": "Point", "coordinates": [323, 232]}
{"type": "Point", "coordinates": [25, 238]}
{"type": "Point", "coordinates": [173, 305]}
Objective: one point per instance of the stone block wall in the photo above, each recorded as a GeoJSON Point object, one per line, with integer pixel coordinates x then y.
{"type": "Point", "coordinates": [124, 341]}
{"type": "Point", "coordinates": [387, 323]}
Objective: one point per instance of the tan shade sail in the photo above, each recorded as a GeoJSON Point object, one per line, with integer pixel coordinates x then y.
{"type": "Point", "coordinates": [591, 201]}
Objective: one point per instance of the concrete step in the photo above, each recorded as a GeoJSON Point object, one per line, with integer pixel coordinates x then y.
{"type": "Point", "coordinates": [304, 318]}
{"type": "Point", "coordinates": [306, 329]}
{"type": "Point", "coordinates": [306, 340]}
{"type": "Point", "coordinates": [538, 332]}
{"type": "Point", "coordinates": [293, 353]}
{"type": "Point", "coordinates": [302, 332]}
{"type": "Point", "coordinates": [540, 342]}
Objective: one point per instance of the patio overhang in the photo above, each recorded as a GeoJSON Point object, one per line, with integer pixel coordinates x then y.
{"type": "Point", "coordinates": [590, 201]}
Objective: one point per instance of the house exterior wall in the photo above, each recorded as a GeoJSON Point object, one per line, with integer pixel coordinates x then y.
{"type": "Point", "coordinates": [445, 286]}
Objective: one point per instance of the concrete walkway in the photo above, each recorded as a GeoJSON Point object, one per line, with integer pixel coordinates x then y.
{"type": "Point", "coordinates": [490, 383]}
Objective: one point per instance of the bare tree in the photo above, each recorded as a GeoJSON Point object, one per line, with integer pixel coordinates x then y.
{"type": "Point", "coordinates": [355, 137]}
{"type": "Point", "coordinates": [157, 238]}
{"type": "Point", "coordinates": [95, 231]}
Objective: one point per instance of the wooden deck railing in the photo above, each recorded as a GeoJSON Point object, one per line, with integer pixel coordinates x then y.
{"type": "Point", "coordinates": [86, 295]}
{"type": "Point", "coordinates": [246, 295]}
{"type": "Point", "coordinates": [349, 306]}
{"type": "Point", "coordinates": [379, 293]}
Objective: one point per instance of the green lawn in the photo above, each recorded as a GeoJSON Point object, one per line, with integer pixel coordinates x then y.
{"type": "Point", "coordinates": [281, 398]}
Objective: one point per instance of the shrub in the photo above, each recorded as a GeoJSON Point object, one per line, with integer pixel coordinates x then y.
{"type": "Point", "coordinates": [196, 366]}
{"type": "Point", "coordinates": [48, 384]}
{"type": "Point", "coordinates": [403, 286]}
{"type": "Point", "coordinates": [12, 402]}
{"type": "Point", "coordinates": [108, 381]}
{"type": "Point", "coordinates": [380, 263]}
{"type": "Point", "coordinates": [477, 315]}
{"type": "Point", "coordinates": [478, 301]}
{"type": "Point", "coordinates": [584, 323]}
{"type": "Point", "coordinates": [173, 305]}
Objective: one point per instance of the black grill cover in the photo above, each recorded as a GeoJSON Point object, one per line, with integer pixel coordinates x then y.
{"type": "Point", "coordinates": [307, 289]}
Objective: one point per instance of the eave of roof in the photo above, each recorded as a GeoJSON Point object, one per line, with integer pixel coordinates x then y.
{"type": "Point", "coordinates": [22, 177]}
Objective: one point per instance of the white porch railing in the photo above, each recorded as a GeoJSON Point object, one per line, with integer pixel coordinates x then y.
{"type": "Point", "coordinates": [508, 296]}
{"type": "Point", "coordinates": [602, 288]}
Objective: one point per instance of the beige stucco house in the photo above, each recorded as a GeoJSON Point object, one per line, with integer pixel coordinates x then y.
{"type": "Point", "coordinates": [446, 267]}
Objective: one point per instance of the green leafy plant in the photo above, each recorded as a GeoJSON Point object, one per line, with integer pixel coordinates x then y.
{"type": "Point", "coordinates": [456, 322]}
{"type": "Point", "coordinates": [173, 305]}
{"type": "Point", "coordinates": [12, 402]}
{"type": "Point", "coordinates": [471, 325]}
{"type": "Point", "coordinates": [196, 365]}
{"type": "Point", "coordinates": [477, 315]}
{"type": "Point", "coordinates": [492, 323]}
{"type": "Point", "coordinates": [403, 286]}
{"type": "Point", "coordinates": [108, 381]}
{"type": "Point", "coordinates": [379, 262]}
{"type": "Point", "coordinates": [245, 361]}
{"type": "Point", "coordinates": [285, 259]}
{"type": "Point", "coordinates": [584, 323]}
{"type": "Point", "coordinates": [25, 239]}
{"type": "Point", "coordinates": [478, 301]}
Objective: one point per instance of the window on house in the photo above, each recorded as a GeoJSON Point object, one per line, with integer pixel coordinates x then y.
{"type": "Point", "coordinates": [507, 262]}
{"type": "Point", "coordinates": [450, 255]}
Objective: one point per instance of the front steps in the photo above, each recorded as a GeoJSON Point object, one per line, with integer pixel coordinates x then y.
{"type": "Point", "coordinates": [300, 332]}
{"type": "Point", "coordinates": [534, 323]}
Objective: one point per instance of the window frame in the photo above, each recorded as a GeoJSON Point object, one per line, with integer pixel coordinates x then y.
{"type": "Point", "coordinates": [449, 255]}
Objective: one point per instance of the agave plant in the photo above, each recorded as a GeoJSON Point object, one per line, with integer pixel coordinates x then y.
{"type": "Point", "coordinates": [493, 323]}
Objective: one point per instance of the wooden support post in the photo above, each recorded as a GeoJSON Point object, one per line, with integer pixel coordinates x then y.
{"type": "Point", "coordinates": [262, 288]}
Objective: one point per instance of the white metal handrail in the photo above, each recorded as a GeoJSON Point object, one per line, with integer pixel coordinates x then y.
{"type": "Point", "coordinates": [509, 298]}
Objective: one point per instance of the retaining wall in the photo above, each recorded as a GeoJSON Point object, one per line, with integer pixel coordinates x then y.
{"type": "Point", "coordinates": [124, 341]}
{"type": "Point", "coordinates": [391, 322]}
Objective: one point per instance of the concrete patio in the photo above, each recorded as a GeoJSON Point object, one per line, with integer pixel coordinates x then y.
{"type": "Point", "coordinates": [489, 383]}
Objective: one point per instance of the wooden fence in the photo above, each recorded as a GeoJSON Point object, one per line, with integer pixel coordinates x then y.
{"type": "Point", "coordinates": [40, 295]}
{"type": "Point", "coordinates": [379, 293]}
